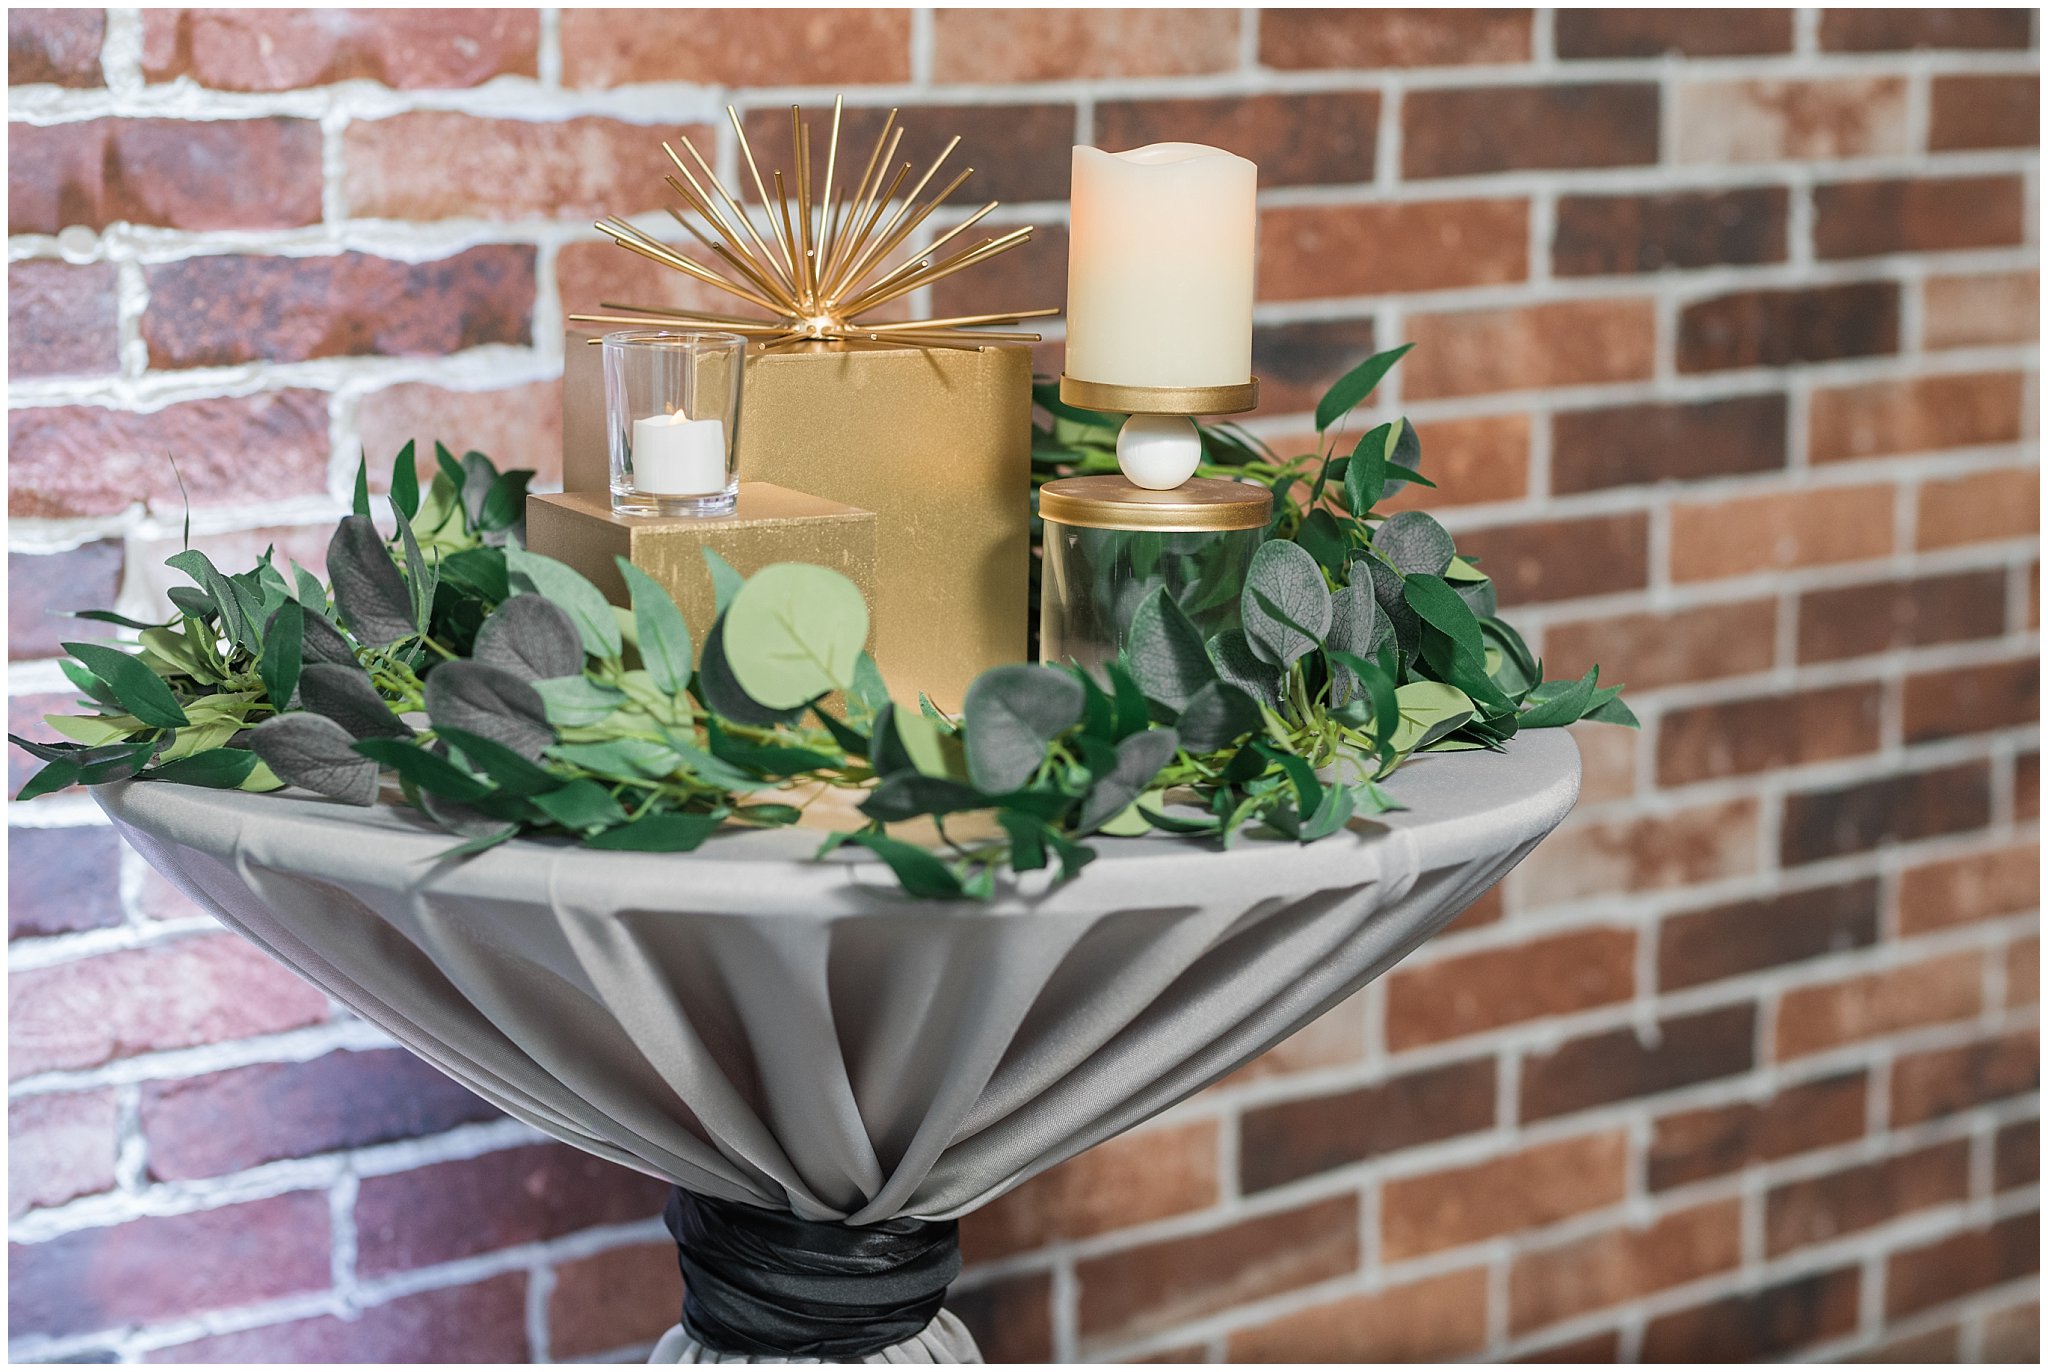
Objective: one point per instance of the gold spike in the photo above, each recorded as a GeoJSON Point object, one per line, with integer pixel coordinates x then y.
{"type": "Point", "coordinates": [896, 236]}
{"type": "Point", "coordinates": [958, 321]}
{"type": "Point", "coordinates": [747, 151]}
{"type": "Point", "coordinates": [831, 171]}
{"type": "Point", "coordinates": [890, 235]}
{"type": "Point", "coordinates": [746, 221]}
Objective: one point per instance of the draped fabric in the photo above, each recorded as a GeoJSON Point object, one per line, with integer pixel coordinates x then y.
{"type": "Point", "coordinates": [759, 1028]}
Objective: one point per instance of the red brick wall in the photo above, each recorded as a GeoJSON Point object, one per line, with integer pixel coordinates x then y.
{"type": "Point", "coordinates": [1726, 364]}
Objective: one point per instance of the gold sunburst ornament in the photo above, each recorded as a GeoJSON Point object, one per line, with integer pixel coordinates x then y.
{"type": "Point", "coordinates": [823, 262]}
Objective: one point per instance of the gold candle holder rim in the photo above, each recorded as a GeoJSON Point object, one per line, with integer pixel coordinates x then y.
{"type": "Point", "coordinates": [1203, 504]}
{"type": "Point", "coordinates": [1111, 398]}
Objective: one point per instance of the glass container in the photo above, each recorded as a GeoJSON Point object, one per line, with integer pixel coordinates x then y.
{"type": "Point", "coordinates": [1110, 543]}
{"type": "Point", "coordinates": [672, 411]}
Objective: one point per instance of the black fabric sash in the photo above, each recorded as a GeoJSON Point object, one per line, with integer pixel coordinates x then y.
{"type": "Point", "coordinates": [765, 1282]}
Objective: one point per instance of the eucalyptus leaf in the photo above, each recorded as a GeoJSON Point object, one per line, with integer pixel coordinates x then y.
{"type": "Point", "coordinates": [1237, 664]}
{"type": "Point", "coordinates": [344, 694]}
{"type": "Point", "coordinates": [491, 703]}
{"type": "Point", "coordinates": [725, 580]}
{"type": "Point", "coordinates": [793, 633]}
{"type": "Point", "coordinates": [421, 577]}
{"type": "Point", "coordinates": [1138, 760]}
{"type": "Point", "coordinates": [1413, 542]}
{"type": "Point", "coordinates": [1218, 715]}
{"type": "Point", "coordinates": [315, 753]}
{"type": "Point", "coordinates": [1354, 625]}
{"type": "Point", "coordinates": [720, 689]}
{"type": "Point", "coordinates": [907, 795]}
{"type": "Point", "coordinates": [1165, 652]}
{"type": "Point", "coordinates": [1286, 607]}
{"type": "Point", "coordinates": [1429, 710]}
{"type": "Point", "coordinates": [585, 605]}
{"type": "Point", "coordinates": [574, 702]}
{"type": "Point", "coordinates": [665, 647]}
{"type": "Point", "coordinates": [1012, 714]}
{"type": "Point", "coordinates": [533, 636]}
{"type": "Point", "coordinates": [373, 598]}
{"type": "Point", "coordinates": [320, 641]}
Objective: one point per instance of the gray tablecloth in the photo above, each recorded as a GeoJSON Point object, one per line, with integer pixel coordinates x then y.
{"type": "Point", "coordinates": [759, 1027]}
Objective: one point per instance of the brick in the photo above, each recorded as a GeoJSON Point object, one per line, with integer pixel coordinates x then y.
{"type": "Point", "coordinates": [2016, 1155]}
{"type": "Point", "coordinates": [1144, 1289]}
{"type": "Point", "coordinates": [61, 319]}
{"type": "Point", "coordinates": [1968, 700]}
{"type": "Point", "coordinates": [484, 1321]}
{"type": "Point", "coordinates": [1600, 235]}
{"type": "Point", "coordinates": [452, 1210]}
{"type": "Point", "coordinates": [1980, 508]}
{"type": "Point", "coordinates": [1927, 1086]}
{"type": "Point", "coordinates": [1536, 1186]}
{"type": "Point", "coordinates": [55, 47]}
{"type": "Point", "coordinates": [1821, 1209]}
{"type": "Point", "coordinates": [1782, 120]}
{"type": "Point", "coordinates": [1607, 761]}
{"type": "Point", "coordinates": [170, 173]}
{"type": "Point", "coordinates": [1935, 1345]}
{"type": "Point", "coordinates": [1296, 362]}
{"type": "Point", "coordinates": [143, 1270]}
{"type": "Point", "coordinates": [1973, 311]}
{"type": "Point", "coordinates": [2014, 1335]}
{"type": "Point", "coordinates": [1330, 1040]}
{"type": "Point", "coordinates": [1780, 328]}
{"type": "Point", "coordinates": [1307, 251]}
{"type": "Point", "coordinates": [1650, 650]}
{"type": "Point", "coordinates": [68, 461]}
{"type": "Point", "coordinates": [223, 1122]}
{"type": "Point", "coordinates": [1945, 214]}
{"type": "Point", "coordinates": [1656, 32]}
{"type": "Point", "coordinates": [1562, 559]}
{"type": "Point", "coordinates": [1756, 1324]}
{"type": "Point", "coordinates": [1032, 275]}
{"type": "Point", "coordinates": [1554, 1284]}
{"type": "Point", "coordinates": [1640, 853]}
{"type": "Point", "coordinates": [1769, 733]}
{"type": "Point", "coordinates": [438, 164]}
{"type": "Point", "coordinates": [1918, 1279]}
{"type": "Point", "coordinates": [1786, 528]}
{"type": "Point", "coordinates": [1619, 1064]}
{"type": "Point", "coordinates": [1989, 111]}
{"type": "Point", "coordinates": [1899, 30]}
{"type": "Point", "coordinates": [1299, 38]}
{"type": "Point", "coordinates": [1289, 1140]}
{"type": "Point", "coordinates": [1922, 414]}
{"type": "Point", "coordinates": [1524, 128]}
{"type": "Point", "coordinates": [1593, 1348]}
{"type": "Point", "coordinates": [64, 880]}
{"type": "Point", "coordinates": [277, 50]}
{"type": "Point", "coordinates": [977, 46]}
{"type": "Point", "coordinates": [1432, 1320]}
{"type": "Point", "coordinates": [232, 308]}
{"type": "Point", "coordinates": [1134, 1179]}
{"type": "Point", "coordinates": [1813, 1019]}
{"type": "Point", "coordinates": [1475, 461]}
{"type": "Point", "coordinates": [1530, 347]}
{"type": "Point", "coordinates": [620, 1298]}
{"type": "Point", "coordinates": [519, 426]}
{"type": "Point", "coordinates": [59, 1147]}
{"type": "Point", "coordinates": [1312, 138]}
{"type": "Point", "coordinates": [792, 47]}
{"type": "Point", "coordinates": [1702, 946]}
{"type": "Point", "coordinates": [44, 589]}
{"type": "Point", "coordinates": [1021, 152]}
{"type": "Point", "coordinates": [1904, 612]}
{"type": "Point", "coordinates": [590, 276]}
{"type": "Point", "coordinates": [1897, 808]}
{"type": "Point", "coordinates": [1693, 1145]}
{"type": "Point", "coordinates": [1490, 908]}
{"type": "Point", "coordinates": [2023, 972]}
{"type": "Point", "coordinates": [1011, 1318]}
{"type": "Point", "coordinates": [206, 989]}
{"type": "Point", "coordinates": [1628, 445]}
{"type": "Point", "coordinates": [1486, 990]}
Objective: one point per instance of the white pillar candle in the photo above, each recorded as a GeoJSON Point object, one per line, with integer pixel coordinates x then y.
{"type": "Point", "coordinates": [674, 454]}
{"type": "Point", "coordinates": [1159, 266]}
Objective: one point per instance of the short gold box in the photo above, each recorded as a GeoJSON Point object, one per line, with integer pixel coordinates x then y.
{"type": "Point", "coordinates": [768, 524]}
{"type": "Point", "coordinates": [936, 441]}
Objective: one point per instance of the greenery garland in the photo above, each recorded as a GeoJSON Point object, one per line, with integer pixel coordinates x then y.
{"type": "Point", "coordinates": [508, 697]}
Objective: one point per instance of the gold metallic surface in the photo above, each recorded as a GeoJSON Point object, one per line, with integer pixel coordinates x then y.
{"type": "Point", "coordinates": [936, 441]}
{"type": "Point", "coordinates": [1113, 502]}
{"type": "Point", "coordinates": [768, 524]}
{"type": "Point", "coordinates": [1187, 400]}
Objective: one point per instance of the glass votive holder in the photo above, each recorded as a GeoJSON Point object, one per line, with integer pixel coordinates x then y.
{"type": "Point", "coordinates": [672, 412]}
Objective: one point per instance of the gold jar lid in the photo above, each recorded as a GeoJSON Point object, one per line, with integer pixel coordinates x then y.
{"type": "Point", "coordinates": [1112, 502]}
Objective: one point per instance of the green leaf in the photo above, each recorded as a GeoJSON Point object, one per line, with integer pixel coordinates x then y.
{"type": "Point", "coordinates": [427, 771]}
{"type": "Point", "coordinates": [220, 596]}
{"type": "Point", "coordinates": [921, 873]}
{"type": "Point", "coordinates": [656, 833]}
{"type": "Point", "coordinates": [361, 504]}
{"type": "Point", "coordinates": [1432, 598]}
{"type": "Point", "coordinates": [405, 483]}
{"type": "Point", "coordinates": [1218, 715]}
{"type": "Point", "coordinates": [373, 599]}
{"type": "Point", "coordinates": [1012, 715]}
{"type": "Point", "coordinates": [142, 693]}
{"type": "Point", "coordinates": [313, 752]}
{"type": "Point", "coordinates": [221, 768]}
{"type": "Point", "coordinates": [421, 575]}
{"type": "Point", "coordinates": [283, 643]}
{"type": "Point", "coordinates": [906, 795]}
{"type": "Point", "coordinates": [1354, 625]}
{"type": "Point", "coordinates": [1132, 713]}
{"type": "Point", "coordinates": [585, 605]}
{"type": "Point", "coordinates": [1138, 760]}
{"type": "Point", "coordinates": [869, 690]}
{"type": "Point", "coordinates": [1413, 542]}
{"type": "Point", "coordinates": [665, 647]}
{"type": "Point", "coordinates": [794, 633]}
{"type": "Point", "coordinates": [1307, 790]}
{"type": "Point", "coordinates": [1286, 605]}
{"type": "Point", "coordinates": [1614, 711]}
{"type": "Point", "coordinates": [582, 804]}
{"type": "Point", "coordinates": [1237, 664]}
{"type": "Point", "coordinates": [1332, 814]}
{"type": "Point", "coordinates": [1365, 475]}
{"type": "Point", "coordinates": [769, 759]}
{"type": "Point", "coordinates": [721, 691]}
{"type": "Point", "coordinates": [1165, 652]}
{"type": "Point", "coordinates": [504, 503]}
{"type": "Point", "coordinates": [725, 580]}
{"type": "Point", "coordinates": [1027, 839]}
{"type": "Point", "coordinates": [1565, 706]}
{"type": "Point", "coordinates": [1429, 710]}
{"type": "Point", "coordinates": [512, 772]}
{"type": "Point", "coordinates": [1324, 539]}
{"type": "Point", "coordinates": [1354, 386]}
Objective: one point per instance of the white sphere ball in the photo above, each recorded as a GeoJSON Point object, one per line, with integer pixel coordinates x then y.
{"type": "Point", "coordinates": [1158, 451]}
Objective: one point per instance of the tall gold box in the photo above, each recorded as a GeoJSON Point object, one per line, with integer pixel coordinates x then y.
{"type": "Point", "coordinates": [935, 441]}
{"type": "Point", "coordinates": [768, 524]}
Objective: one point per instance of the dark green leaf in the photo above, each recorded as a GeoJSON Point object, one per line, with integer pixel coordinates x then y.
{"type": "Point", "coordinates": [1432, 598]}
{"type": "Point", "coordinates": [665, 648]}
{"type": "Point", "coordinates": [1237, 664]}
{"type": "Point", "coordinates": [142, 693]}
{"type": "Point", "coordinates": [361, 504]}
{"type": "Point", "coordinates": [1308, 791]}
{"type": "Point", "coordinates": [581, 804]}
{"type": "Point", "coordinates": [1564, 706]}
{"type": "Point", "coordinates": [1132, 713]}
{"type": "Point", "coordinates": [109, 617]}
{"type": "Point", "coordinates": [1138, 760]}
{"type": "Point", "coordinates": [504, 503]}
{"type": "Point", "coordinates": [1365, 474]}
{"type": "Point", "coordinates": [1614, 711]}
{"type": "Point", "coordinates": [530, 635]}
{"type": "Point", "coordinates": [718, 689]}
{"type": "Point", "coordinates": [283, 652]}
{"type": "Point", "coordinates": [220, 596]}
{"type": "Point", "coordinates": [313, 752]}
{"type": "Point", "coordinates": [1219, 714]}
{"type": "Point", "coordinates": [344, 694]}
{"type": "Point", "coordinates": [427, 771]}
{"type": "Point", "coordinates": [221, 768]}
{"type": "Point", "coordinates": [907, 795]}
{"type": "Point", "coordinates": [1027, 839]}
{"type": "Point", "coordinates": [372, 597]}
{"type": "Point", "coordinates": [1286, 605]}
{"type": "Point", "coordinates": [920, 872]}
{"type": "Point", "coordinates": [54, 777]}
{"type": "Point", "coordinates": [656, 833]}
{"type": "Point", "coordinates": [1413, 542]}
{"type": "Point", "coordinates": [1165, 653]}
{"type": "Point", "coordinates": [1012, 713]}
{"type": "Point", "coordinates": [1354, 386]}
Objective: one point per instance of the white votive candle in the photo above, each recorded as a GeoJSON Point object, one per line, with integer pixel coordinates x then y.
{"type": "Point", "coordinates": [1159, 266]}
{"type": "Point", "coordinates": [674, 454]}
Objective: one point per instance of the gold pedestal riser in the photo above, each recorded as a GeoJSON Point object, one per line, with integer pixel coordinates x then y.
{"type": "Point", "coordinates": [768, 524]}
{"type": "Point", "coordinates": [935, 441]}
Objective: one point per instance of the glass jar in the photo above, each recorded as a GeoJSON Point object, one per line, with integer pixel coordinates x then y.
{"type": "Point", "coordinates": [1109, 544]}
{"type": "Point", "coordinates": [672, 411]}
